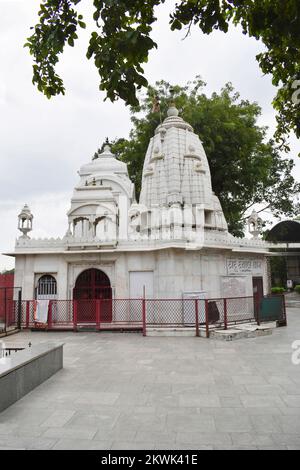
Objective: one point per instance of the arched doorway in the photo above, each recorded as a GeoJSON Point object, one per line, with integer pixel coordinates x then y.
{"type": "Point", "coordinates": [92, 285]}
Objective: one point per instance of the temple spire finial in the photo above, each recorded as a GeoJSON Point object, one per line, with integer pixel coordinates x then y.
{"type": "Point", "coordinates": [172, 110]}
{"type": "Point", "coordinates": [107, 146]}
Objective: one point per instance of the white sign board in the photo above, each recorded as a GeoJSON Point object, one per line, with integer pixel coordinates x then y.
{"type": "Point", "coordinates": [244, 266]}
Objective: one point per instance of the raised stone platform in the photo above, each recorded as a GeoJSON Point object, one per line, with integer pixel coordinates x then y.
{"type": "Point", "coordinates": [245, 330]}
{"type": "Point", "coordinates": [23, 371]}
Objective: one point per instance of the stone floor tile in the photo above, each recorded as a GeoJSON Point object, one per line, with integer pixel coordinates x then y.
{"type": "Point", "coordinates": [71, 432]}
{"type": "Point", "coordinates": [162, 393]}
{"type": "Point", "coordinates": [81, 444]}
{"type": "Point", "coordinates": [58, 418]}
{"type": "Point", "coordinates": [233, 424]}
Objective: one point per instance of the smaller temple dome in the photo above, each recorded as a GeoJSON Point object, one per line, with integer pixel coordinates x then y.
{"type": "Point", "coordinates": [101, 199]}
{"type": "Point", "coordinates": [104, 161]}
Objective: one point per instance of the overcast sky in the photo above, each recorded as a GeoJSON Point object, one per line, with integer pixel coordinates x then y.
{"type": "Point", "coordinates": [44, 142]}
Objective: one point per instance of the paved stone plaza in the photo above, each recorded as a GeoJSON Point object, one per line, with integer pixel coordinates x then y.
{"type": "Point", "coordinates": [123, 391]}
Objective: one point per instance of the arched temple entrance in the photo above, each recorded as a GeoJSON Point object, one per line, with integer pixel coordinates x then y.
{"type": "Point", "coordinates": [92, 285]}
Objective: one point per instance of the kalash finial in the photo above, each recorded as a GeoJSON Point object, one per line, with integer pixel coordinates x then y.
{"type": "Point", "coordinates": [172, 110]}
{"type": "Point", "coordinates": [107, 146]}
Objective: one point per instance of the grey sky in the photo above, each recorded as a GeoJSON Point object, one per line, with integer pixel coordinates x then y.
{"type": "Point", "coordinates": [43, 143]}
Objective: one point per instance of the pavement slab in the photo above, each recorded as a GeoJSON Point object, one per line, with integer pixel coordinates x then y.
{"type": "Point", "coordinates": [126, 391]}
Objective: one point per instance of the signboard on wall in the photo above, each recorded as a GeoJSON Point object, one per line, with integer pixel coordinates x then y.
{"type": "Point", "coordinates": [244, 266]}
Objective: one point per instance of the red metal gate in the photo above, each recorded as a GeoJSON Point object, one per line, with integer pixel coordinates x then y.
{"type": "Point", "coordinates": [92, 285]}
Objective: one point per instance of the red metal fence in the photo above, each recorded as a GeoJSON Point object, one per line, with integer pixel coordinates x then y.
{"type": "Point", "coordinates": [10, 308]}
{"type": "Point", "coordinates": [141, 314]}
{"type": "Point", "coordinates": [72, 314]}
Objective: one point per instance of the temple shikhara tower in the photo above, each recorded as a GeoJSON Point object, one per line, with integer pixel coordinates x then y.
{"type": "Point", "coordinates": [171, 243]}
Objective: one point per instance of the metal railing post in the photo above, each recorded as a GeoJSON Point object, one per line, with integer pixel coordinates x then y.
{"type": "Point", "coordinates": [19, 310]}
{"type": "Point", "coordinates": [257, 309]}
{"type": "Point", "coordinates": [5, 311]}
{"type": "Point", "coordinates": [98, 309]}
{"type": "Point", "coordinates": [50, 315]}
{"type": "Point", "coordinates": [27, 313]}
{"type": "Point", "coordinates": [144, 317]}
{"type": "Point", "coordinates": [75, 315]}
{"type": "Point", "coordinates": [197, 317]}
{"type": "Point", "coordinates": [284, 309]}
{"type": "Point", "coordinates": [225, 314]}
{"type": "Point", "coordinates": [206, 319]}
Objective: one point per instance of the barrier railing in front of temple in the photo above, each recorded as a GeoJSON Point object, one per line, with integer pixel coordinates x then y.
{"type": "Point", "coordinates": [10, 309]}
{"type": "Point", "coordinates": [202, 316]}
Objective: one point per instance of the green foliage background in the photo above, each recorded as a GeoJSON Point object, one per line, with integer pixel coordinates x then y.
{"type": "Point", "coordinates": [122, 42]}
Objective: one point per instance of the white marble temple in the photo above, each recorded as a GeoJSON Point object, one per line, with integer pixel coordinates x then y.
{"type": "Point", "coordinates": [175, 240]}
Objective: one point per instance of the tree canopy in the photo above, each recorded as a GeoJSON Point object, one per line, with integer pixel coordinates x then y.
{"type": "Point", "coordinates": [246, 168]}
{"type": "Point", "coordinates": [122, 42]}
